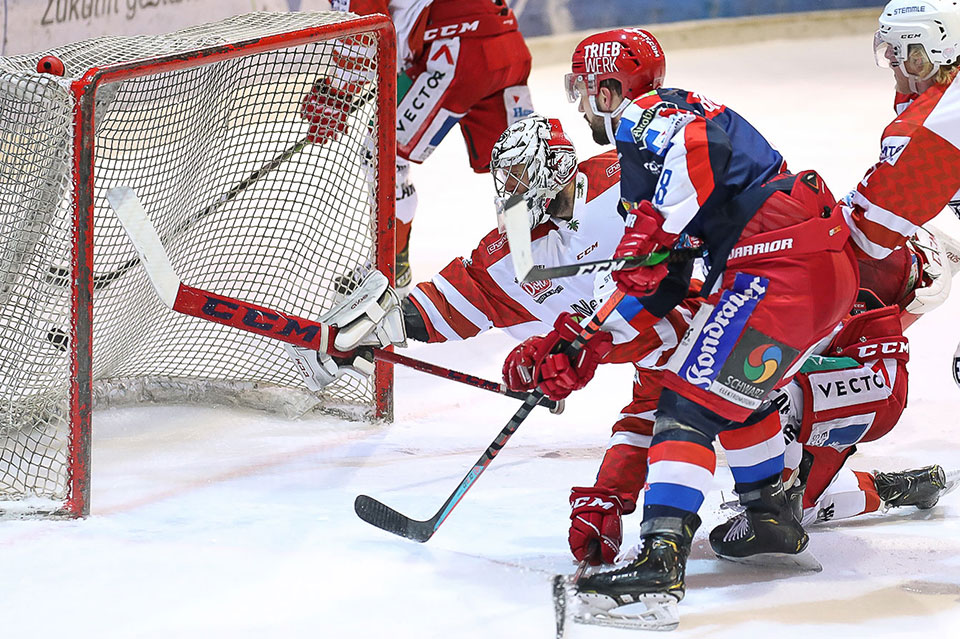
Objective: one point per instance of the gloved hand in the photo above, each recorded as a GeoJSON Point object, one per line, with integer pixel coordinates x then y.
{"type": "Point", "coordinates": [595, 521]}
{"type": "Point", "coordinates": [643, 235]}
{"type": "Point", "coordinates": [539, 361]}
{"type": "Point", "coordinates": [326, 109]}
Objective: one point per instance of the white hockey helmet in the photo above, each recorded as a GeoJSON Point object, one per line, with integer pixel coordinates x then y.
{"type": "Point", "coordinates": [533, 158]}
{"type": "Point", "coordinates": [927, 28]}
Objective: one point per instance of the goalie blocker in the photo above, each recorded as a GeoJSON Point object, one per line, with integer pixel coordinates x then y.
{"type": "Point", "coordinates": [368, 318]}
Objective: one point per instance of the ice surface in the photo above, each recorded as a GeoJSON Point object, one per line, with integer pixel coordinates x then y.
{"type": "Point", "coordinates": [210, 522]}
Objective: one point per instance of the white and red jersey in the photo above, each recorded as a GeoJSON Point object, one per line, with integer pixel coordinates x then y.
{"type": "Point", "coordinates": [917, 176]}
{"type": "Point", "coordinates": [472, 295]}
{"type": "Point", "coordinates": [422, 21]}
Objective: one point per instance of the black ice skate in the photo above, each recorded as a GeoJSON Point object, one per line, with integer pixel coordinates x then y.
{"type": "Point", "coordinates": [767, 532]}
{"type": "Point", "coordinates": [644, 593]}
{"type": "Point", "coordinates": [921, 488]}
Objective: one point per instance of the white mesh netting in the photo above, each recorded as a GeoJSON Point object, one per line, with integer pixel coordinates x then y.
{"type": "Point", "coordinates": [183, 139]}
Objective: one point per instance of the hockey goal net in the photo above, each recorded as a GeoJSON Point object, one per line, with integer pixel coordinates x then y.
{"type": "Point", "coordinates": [205, 125]}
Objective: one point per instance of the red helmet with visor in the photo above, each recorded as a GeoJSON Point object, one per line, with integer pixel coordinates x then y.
{"type": "Point", "coordinates": [631, 56]}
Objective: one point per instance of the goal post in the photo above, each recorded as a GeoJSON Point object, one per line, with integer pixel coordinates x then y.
{"type": "Point", "coordinates": [205, 124]}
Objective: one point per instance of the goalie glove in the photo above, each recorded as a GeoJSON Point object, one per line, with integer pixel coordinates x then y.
{"type": "Point", "coordinates": [370, 317]}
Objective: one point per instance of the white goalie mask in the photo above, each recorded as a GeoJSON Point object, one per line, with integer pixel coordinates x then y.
{"type": "Point", "coordinates": [533, 158]}
{"type": "Point", "coordinates": [924, 31]}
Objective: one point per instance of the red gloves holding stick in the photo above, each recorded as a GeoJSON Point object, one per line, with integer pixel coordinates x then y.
{"type": "Point", "coordinates": [643, 235]}
{"type": "Point", "coordinates": [540, 361]}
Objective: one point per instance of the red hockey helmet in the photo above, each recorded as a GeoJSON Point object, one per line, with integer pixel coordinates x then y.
{"type": "Point", "coordinates": [632, 56]}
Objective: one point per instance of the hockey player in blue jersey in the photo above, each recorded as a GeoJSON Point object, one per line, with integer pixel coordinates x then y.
{"type": "Point", "coordinates": [694, 169]}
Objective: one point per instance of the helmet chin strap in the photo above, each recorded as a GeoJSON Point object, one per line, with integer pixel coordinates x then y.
{"type": "Point", "coordinates": [608, 116]}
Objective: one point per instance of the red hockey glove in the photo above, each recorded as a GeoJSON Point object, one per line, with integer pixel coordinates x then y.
{"type": "Point", "coordinates": [538, 361]}
{"type": "Point", "coordinates": [326, 109]}
{"type": "Point", "coordinates": [643, 235]}
{"type": "Point", "coordinates": [595, 520]}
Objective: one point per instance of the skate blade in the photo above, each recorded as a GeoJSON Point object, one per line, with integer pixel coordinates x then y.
{"type": "Point", "coordinates": [801, 561]}
{"type": "Point", "coordinates": [561, 595]}
{"type": "Point", "coordinates": [654, 611]}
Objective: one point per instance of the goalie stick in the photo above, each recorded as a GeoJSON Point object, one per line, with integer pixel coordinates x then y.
{"type": "Point", "coordinates": [61, 276]}
{"type": "Point", "coordinates": [382, 516]}
{"type": "Point", "coordinates": [250, 317]}
{"type": "Point", "coordinates": [205, 304]}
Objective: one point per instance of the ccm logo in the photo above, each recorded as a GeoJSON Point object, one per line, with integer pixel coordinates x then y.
{"type": "Point", "coordinates": [237, 315]}
{"type": "Point", "coordinates": [450, 30]}
{"type": "Point", "coordinates": [496, 246]}
{"type": "Point", "coordinates": [587, 251]}
{"type": "Point", "coordinates": [886, 348]}
{"type": "Point", "coordinates": [593, 502]}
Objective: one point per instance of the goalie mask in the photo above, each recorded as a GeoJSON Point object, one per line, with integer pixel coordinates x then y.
{"type": "Point", "coordinates": [918, 36]}
{"type": "Point", "coordinates": [533, 158]}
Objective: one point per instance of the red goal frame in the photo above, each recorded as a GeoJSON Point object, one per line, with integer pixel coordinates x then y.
{"type": "Point", "coordinates": [84, 92]}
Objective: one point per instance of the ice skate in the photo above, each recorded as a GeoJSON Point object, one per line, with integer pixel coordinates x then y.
{"type": "Point", "coordinates": [922, 487]}
{"type": "Point", "coordinates": [766, 533]}
{"type": "Point", "coordinates": [643, 594]}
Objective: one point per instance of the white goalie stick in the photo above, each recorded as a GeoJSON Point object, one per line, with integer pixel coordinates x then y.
{"type": "Point", "coordinates": [204, 304]}
{"type": "Point", "coordinates": [250, 317]}
{"type": "Point", "coordinates": [59, 276]}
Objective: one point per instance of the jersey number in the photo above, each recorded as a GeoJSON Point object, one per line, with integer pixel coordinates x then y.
{"type": "Point", "coordinates": [662, 185]}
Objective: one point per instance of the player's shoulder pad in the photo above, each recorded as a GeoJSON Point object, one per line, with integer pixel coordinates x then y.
{"type": "Point", "coordinates": [601, 172]}
{"type": "Point", "coordinates": [649, 123]}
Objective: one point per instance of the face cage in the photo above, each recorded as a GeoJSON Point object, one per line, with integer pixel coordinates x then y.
{"type": "Point", "coordinates": [502, 175]}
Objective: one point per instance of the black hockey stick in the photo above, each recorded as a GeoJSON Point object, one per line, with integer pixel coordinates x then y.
{"type": "Point", "coordinates": [608, 266]}
{"type": "Point", "coordinates": [382, 516]}
{"type": "Point", "coordinates": [61, 276]}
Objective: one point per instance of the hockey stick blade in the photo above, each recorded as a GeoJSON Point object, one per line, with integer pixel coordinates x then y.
{"type": "Point", "coordinates": [206, 305]}
{"type": "Point", "coordinates": [538, 273]}
{"type": "Point", "coordinates": [386, 518]}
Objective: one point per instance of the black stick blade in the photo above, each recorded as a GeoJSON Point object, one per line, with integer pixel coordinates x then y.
{"type": "Point", "coordinates": [383, 517]}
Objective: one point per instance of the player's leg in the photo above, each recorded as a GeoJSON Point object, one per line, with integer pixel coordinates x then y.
{"type": "Point", "coordinates": [769, 522]}
{"type": "Point", "coordinates": [595, 518]}
{"type": "Point", "coordinates": [681, 466]}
